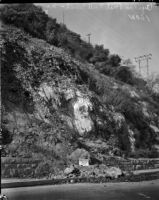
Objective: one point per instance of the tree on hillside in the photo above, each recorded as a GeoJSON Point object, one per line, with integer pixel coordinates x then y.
{"type": "Point", "coordinates": [51, 31]}
{"type": "Point", "coordinates": [124, 74]}
{"type": "Point", "coordinates": [27, 16]}
{"type": "Point", "coordinates": [114, 60]}
{"type": "Point", "coordinates": [100, 54]}
{"type": "Point", "coordinates": [127, 62]}
{"type": "Point", "coordinates": [153, 84]}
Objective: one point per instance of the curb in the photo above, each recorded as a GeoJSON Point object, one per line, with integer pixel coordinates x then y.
{"type": "Point", "coordinates": [31, 183]}
{"type": "Point", "coordinates": [133, 178]}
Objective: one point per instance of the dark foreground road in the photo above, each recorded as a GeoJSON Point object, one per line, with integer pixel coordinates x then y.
{"type": "Point", "coordinates": [86, 191]}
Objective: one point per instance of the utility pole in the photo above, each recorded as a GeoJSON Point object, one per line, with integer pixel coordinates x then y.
{"type": "Point", "coordinates": [89, 38]}
{"type": "Point", "coordinates": [142, 58]}
{"type": "Point", "coordinates": [148, 57]}
{"type": "Point", "coordinates": [138, 59]}
{"type": "Point", "coordinates": [63, 18]}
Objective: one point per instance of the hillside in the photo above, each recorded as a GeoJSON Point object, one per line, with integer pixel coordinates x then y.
{"type": "Point", "coordinates": [57, 108]}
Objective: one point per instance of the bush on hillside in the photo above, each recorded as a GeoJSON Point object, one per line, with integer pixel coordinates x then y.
{"type": "Point", "coordinates": [100, 54]}
{"type": "Point", "coordinates": [125, 75]}
{"type": "Point", "coordinates": [115, 60]}
{"type": "Point", "coordinates": [6, 136]}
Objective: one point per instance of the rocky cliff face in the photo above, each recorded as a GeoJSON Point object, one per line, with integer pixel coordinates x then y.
{"type": "Point", "coordinates": [51, 106]}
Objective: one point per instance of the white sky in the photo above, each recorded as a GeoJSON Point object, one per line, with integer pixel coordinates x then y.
{"type": "Point", "coordinates": [111, 24]}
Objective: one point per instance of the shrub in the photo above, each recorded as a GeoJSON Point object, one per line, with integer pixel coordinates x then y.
{"type": "Point", "coordinates": [124, 74]}
{"type": "Point", "coordinates": [6, 136]}
{"type": "Point", "coordinates": [114, 60]}
{"type": "Point", "coordinates": [116, 98]}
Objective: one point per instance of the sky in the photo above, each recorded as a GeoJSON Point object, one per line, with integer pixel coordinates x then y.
{"type": "Point", "coordinates": [127, 29]}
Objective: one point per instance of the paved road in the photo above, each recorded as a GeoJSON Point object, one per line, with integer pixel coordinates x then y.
{"type": "Point", "coordinates": [85, 191]}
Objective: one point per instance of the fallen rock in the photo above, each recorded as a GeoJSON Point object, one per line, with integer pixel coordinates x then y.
{"type": "Point", "coordinates": [79, 153]}
{"type": "Point", "coordinates": [68, 170]}
{"type": "Point", "coordinates": [72, 171]}
{"type": "Point", "coordinates": [100, 171]}
{"type": "Point", "coordinates": [113, 172]}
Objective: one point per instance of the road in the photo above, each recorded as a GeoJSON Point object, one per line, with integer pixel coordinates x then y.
{"type": "Point", "coordinates": [86, 191]}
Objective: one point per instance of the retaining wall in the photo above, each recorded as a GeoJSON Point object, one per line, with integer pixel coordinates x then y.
{"type": "Point", "coordinates": [25, 168]}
